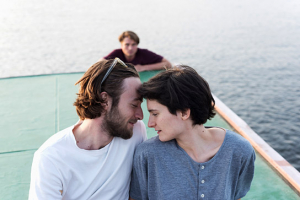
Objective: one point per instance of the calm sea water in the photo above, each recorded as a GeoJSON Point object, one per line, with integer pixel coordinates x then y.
{"type": "Point", "coordinates": [249, 51]}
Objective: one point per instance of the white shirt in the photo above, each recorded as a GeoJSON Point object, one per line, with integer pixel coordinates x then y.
{"type": "Point", "coordinates": [61, 170]}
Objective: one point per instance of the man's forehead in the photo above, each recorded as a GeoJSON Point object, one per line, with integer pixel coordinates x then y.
{"type": "Point", "coordinates": [134, 82]}
{"type": "Point", "coordinates": [128, 40]}
{"type": "Point", "coordinates": [130, 87]}
{"type": "Point", "coordinates": [132, 95]}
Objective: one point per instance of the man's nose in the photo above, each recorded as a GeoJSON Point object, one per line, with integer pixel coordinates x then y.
{"type": "Point", "coordinates": [139, 114]}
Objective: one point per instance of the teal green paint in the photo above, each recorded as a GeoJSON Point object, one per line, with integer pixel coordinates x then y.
{"type": "Point", "coordinates": [34, 108]}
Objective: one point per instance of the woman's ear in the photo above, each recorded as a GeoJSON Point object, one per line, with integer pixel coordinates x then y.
{"type": "Point", "coordinates": [185, 114]}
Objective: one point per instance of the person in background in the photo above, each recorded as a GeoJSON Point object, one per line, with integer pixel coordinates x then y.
{"type": "Point", "coordinates": [142, 59]}
{"type": "Point", "coordinates": [93, 159]}
{"type": "Point", "coordinates": [187, 160]}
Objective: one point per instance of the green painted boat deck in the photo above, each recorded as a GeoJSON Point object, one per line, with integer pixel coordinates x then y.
{"type": "Point", "coordinates": [35, 107]}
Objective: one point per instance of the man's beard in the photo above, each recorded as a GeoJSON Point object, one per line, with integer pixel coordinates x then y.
{"type": "Point", "coordinates": [116, 125]}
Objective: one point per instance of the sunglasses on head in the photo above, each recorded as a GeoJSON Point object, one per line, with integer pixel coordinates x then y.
{"type": "Point", "coordinates": [116, 60]}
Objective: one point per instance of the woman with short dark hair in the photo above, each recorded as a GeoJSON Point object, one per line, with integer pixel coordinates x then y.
{"type": "Point", "coordinates": [187, 160]}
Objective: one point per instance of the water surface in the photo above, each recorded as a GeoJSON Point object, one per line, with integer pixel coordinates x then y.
{"type": "Point", "coordinates": [249, 51]}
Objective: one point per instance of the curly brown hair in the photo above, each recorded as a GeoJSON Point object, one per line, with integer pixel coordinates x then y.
{"type": "Point", "coordinates": [89, 102]}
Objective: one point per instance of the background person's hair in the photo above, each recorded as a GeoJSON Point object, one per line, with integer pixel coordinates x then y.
{"type": "Point", "coordinates": [130, 35]}
{"type": "Point", "coordinates": [181, 88]}
{"type": "Point", "coordinates": [88, 101]}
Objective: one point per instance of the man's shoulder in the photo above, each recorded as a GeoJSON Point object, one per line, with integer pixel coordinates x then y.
{"type": "Point", "coordinates": [138, 126]}
{"type": "Point", "coordinates": [117, 51]}
{"type": "Point", "coordinates": [139, 129]}
{"type": "Point", "coordinates": [55, 141]}
{"type": "Point", "coordinates": [148, 57]}
{"type": "Point", "coordinates": [145, 51]}
{"type": "Point", "coordinates": [114, 53]}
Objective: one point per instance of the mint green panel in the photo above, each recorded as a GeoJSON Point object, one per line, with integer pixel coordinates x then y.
{"type": "Point", "coordinates": [15, 175]}
{"type": "Point", "coordinates": [27, 112]}
{"type": "Point", "coordinates": [34, 108]}
{"type": "Point", "coordinates": [66, 97]}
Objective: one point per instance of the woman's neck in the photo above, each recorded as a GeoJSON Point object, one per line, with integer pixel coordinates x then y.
{"type": "Point", "coordinates": [201, 144]}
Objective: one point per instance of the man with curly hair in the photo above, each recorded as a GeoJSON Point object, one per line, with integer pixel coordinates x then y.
{"type": "Point", "coordinates": [93, 159]}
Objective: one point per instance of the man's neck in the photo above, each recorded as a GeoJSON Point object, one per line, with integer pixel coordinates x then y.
{"type": "Point", "coordinates": [129, 58]}
{"type": "Point", "coordinates": [90, 136]}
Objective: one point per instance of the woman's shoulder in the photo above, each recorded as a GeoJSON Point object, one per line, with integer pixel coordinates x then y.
{"type": "Point", "coordinates": [238, 143]}
{"type": "Point", "coordinates": [152, 145]}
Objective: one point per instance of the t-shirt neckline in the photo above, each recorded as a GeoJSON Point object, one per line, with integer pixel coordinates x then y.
{"type": "Point", "coordinates": [213, 158]}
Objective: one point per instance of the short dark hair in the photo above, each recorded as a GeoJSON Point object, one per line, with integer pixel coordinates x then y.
{"type": "Point", "coordinates": [181, 88]}
{"type": "Point", "coordinates": [131, 35]}
{"type": "Point", "coordinates": [88, 101]}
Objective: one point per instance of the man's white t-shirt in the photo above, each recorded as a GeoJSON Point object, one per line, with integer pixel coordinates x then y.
{"type": "Point", "coordinates": [61, 170]}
